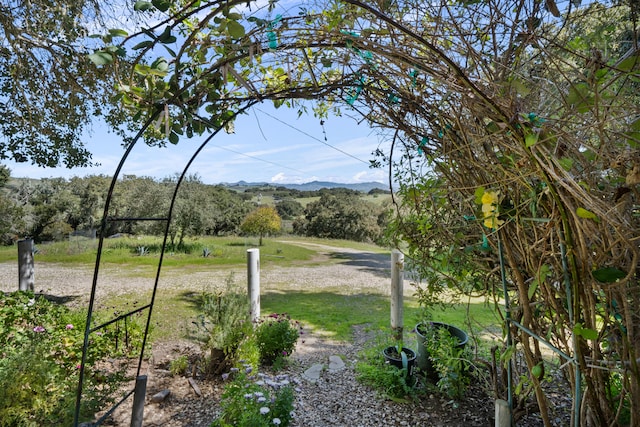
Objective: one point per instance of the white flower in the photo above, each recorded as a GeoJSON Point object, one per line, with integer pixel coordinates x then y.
{"type": "Point", "coordinates": [277, 421]}
{"type": "Point", "coordinates": [262, 399]}
{"type": "Point", "coordinates": [248, 396]}
{"type": "Point", "coordinates": [259, 394]}
{"type": "Point", "coordinates": [264, 410]}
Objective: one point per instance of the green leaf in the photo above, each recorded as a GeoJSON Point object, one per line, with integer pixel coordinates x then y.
{"type": "Point", "coordinates": [162, 5]}
{"type": "Point", "coordinates": [174, 138]}
{"type": "Point", "coordinates": [530, 139]}
{"type": "Point", "coordinates": [101, 58]}
{"type": "Point", "coordinates": [583, 213]}
{"type": "Point", "coordinates": [566, 163]}
{"type": "Point", "coordinates": [143, 45]}
{"type": "Point", "coordinates": [118, 33]}
{"type": "Point", "coordinates": [608, 274]}
{"type": "Point", "coordinates": [142, 5]}
{"type": "Point", "coordinates": [629, 63]}
{"type": "Point", "coordinates": [166, 36]}
{"type": "Point", "coordinates": [586, 333]}
{"type": "Point", "coordinates": [236, 30]}
{"type": "Point", "coordinates": [478, 193]}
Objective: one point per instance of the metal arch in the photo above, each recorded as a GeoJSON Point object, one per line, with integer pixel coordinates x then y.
{"type": "Point", "coordinates": [103, 227]}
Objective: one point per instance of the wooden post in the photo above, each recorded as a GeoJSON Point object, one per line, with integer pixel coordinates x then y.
{"type": "Point", "coordinates": [253, 277]}
{"type": "Point", "coordinates": [139, 392]}
{"type": "Point", "coordinates": [397, 285]}
{"type": "Point", "coordinates": [25, 265]}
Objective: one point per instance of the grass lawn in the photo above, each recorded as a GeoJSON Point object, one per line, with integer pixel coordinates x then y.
{"type": "Point", "coordinates": [331, 314]}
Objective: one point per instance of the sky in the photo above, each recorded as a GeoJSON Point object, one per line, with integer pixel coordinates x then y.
{"type": "Point", "coordinates": [268, 145]}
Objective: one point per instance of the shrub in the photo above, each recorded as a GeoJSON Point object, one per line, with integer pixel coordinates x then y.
{"type": "Point", "coordinates": [223, 325]}
{"type": "Point", "coordinates": [450, 361]}
{"type": "Point", "coordinates": [276, 338]}
{"type": "Point", "coordinates": [41, 349]}
{"type": "Point", "coordinates": [255, 400]}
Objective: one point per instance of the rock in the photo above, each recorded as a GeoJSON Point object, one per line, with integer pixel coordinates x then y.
{"type": "Point", "coordinates": [195, 387]}
{"type": "Point", "coordinates": [313, 373]}
{"type": "Point", "coordinates": [160, 396]}
{"type": "Point", "coordinates": [336, 364]}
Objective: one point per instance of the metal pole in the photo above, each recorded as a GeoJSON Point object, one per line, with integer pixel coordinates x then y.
{"type": "Point", "coordinates": [25, 265]}
{"type": "Point", "coordinates": [397, 269]}
{"type": "Point", "coordinates": [137, 413]}
{"type": "Point", "coordinates": [253, 277]}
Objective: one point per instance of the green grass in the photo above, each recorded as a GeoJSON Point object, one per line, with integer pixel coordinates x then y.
{"type": "Point", "coordinates": [329, 313]}
{"type": "Point", "coordinates": [126, 251]}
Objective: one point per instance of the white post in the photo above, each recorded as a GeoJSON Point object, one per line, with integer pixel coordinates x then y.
{"type": "Point", "coordinates": [397, 271]}
{"type": "Point", "coordinates": [25, 265]}
{"type": "Point", "coordinates": [253, 276]}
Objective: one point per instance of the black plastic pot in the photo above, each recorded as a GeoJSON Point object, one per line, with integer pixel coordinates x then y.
{"type": "Point", "coordinates": [422, 360]}
{"type": "Point", "coordinates": [408, 362]}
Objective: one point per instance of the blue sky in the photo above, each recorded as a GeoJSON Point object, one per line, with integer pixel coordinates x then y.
{"type": "Point", "coordinates": [269, 145]}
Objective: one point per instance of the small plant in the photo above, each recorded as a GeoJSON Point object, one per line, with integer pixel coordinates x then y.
{"type": "Point", "coordinates": [179, 366]}
{"type": "Point", "coordinates": [255, 400]}
{"type": "Point", "coordinates": [206, 252]}
{"type": "Point", "coordinates": [276, 337]}
{"type": "Point", "coordinates": [373, 370]}
{"type": "Point", "coordinates": [222, 326]}
{"type": "Point", "coordinates": [142, 250]}
{"type": "Point", "coordinates": [449, 360]}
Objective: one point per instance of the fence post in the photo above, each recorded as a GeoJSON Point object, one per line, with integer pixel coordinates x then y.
{"type": "Point", "coordinates": [139, 392]}
{"type": "Point", "coordinates": [253, 276]}
{"type": "Point", "coordinates": [25, 265]}
{"type": "Point", "coordinates": [397, 285]}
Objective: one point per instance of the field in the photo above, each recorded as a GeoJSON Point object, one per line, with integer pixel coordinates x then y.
{"type": "Point", "coordinates": [328, 285]}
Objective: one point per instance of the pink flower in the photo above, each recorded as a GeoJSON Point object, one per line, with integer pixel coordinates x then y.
{"type": "Point", "coordinates": [38, 329]}
{"type": "Point", "coordinates": [69, 326]}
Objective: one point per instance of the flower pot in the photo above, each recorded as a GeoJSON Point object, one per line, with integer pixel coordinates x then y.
{"type": "Point", "coordinates": [407, 362]}
{"type": "Point", "coordinates": [422, 361]}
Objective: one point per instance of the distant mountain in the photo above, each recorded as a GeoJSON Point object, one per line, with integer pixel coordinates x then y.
{"type": "Point", "coordinates": [363, 187]}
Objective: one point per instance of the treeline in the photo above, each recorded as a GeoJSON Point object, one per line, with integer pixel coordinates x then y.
{"type": "Point", "coordinates": [55, 208]}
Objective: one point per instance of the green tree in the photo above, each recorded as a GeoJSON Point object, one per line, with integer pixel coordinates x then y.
{"type": "Point", "coordinates": [50, 92]}
{"type": "Point", "coordinates": [289, 208]}
{"type": "Point", "coordinates": [262, 221]}
{"type": "Point", "coordinates": [342, 216]}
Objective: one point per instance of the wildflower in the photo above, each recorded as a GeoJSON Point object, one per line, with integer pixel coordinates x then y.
{"type": "Point", "coordinates": [249, 369]}
{"type": "Point", "coordinates": [262, 399]}
{"type": "Point", "coordinates": [248, 395]}
{"type": "Point", "coordinates": [69, 326]}
{"type": "Point", "coordinates": [234, 369]}
{"type": "Point", "coordinates": [38, 329]}
{"type": "Point", "coordinates": [259, 394]}
{"type": "Point", "coordinates": [264, 410]}
{"type": "Point", "coordinates": [277, 421]}
{"type": "Point", "coordinates": [225, 376]}
{"type": "Point", "coordinates": [31, 302]}
{"type": "Point", "coordinates": [284, 352]}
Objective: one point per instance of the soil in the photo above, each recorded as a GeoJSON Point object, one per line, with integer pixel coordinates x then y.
{"type": "Point", "coordinates": [336, 399]}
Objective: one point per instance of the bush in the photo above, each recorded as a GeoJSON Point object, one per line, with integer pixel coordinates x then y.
{"type": "Point", "coordinates": [255, 400]}
{"type": "Point", "coordinates": [276, 338]}
{"type": "Point", "coordinates": [41, 351]}
{"type": "Point", "coordinates": [223, 325]}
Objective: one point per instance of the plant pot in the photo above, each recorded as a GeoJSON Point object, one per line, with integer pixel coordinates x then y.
{"type": "Point", "coordinates": [408, 362]}
{"type": "Point", "coordinates": [422, 361]}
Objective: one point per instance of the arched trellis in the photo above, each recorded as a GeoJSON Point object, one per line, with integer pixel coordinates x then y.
{"type": "Point", "coordinates": [146, 307]}
{"type": "Point", "coordinates": [409, 113]}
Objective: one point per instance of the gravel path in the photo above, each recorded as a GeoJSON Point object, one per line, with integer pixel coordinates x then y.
{"type": "Point", "coordinates": [336, 399]}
